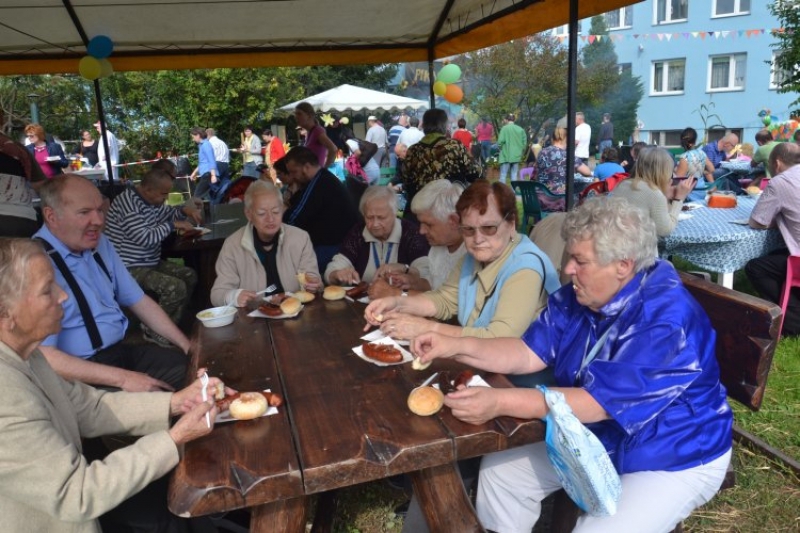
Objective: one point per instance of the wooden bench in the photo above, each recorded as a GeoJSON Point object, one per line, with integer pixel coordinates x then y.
{"type": "Point", "coordinates": [747, 334]}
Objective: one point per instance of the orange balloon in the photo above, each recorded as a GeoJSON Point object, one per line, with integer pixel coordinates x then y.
{"type": "Point", "coordinates": [454, 94]}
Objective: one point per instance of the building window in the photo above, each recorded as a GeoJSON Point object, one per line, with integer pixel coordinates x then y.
{"type": "Point", "coordinates": [666, 138]}
{"type": "Point", "coordinates": [620, 18]}
{"type": "Point", "coordinates": [727, 73]}
{"type": "Point", "coordinates": [667, 11]}
{"type": "Point", "coordinates": [564, 30]}
{"type": "Point", "coordinates": [715, 134]}
{"type": "Point", "coordinates": [777, 75]}
{"type": "Point", "coordinates": [668, 76]}
{"type": "Point", "coordinates": [625, 69]}
{"type": "Point", "coordinates": [723, 8]}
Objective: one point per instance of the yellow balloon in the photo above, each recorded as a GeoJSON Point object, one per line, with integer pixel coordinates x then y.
{"type": "Point", "coordinates": [439, 88]}
{"type": "Point", "coordinates": [106, 69]}
{"type": "Point", "coordinates": [90, 68]}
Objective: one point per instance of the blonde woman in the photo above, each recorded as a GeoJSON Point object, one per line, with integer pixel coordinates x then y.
{"type": "Point", "coordinates": [650, 189]}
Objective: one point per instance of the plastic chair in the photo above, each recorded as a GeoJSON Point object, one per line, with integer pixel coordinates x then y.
{"type": "Point", "coordinates": [792, 280]}
{"type": "Point", "coordinates": [175, 198]}
{"type": "Point", "coordinates": [531, 206]}
{"type": "Point", "coordinates": [526, 174]}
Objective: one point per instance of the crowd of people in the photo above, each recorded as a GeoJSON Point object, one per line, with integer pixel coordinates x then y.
{"type": "Point", "coordinates": [452, 275]}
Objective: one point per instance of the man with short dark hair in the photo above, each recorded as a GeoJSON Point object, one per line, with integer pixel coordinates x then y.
{"type": "Point", "coordinates": [321, 205]}
{"type": "Point", "coordinates": [206, 172]}
{"type": "Point", "coordinates": [137, 224]}
{"type": "Point", "coordinates": [779, 205]}
{"type": "Point", "coordinates": [512, 142]}
{"type": "Point", "coordinates": [765, 144]}
{"type": "Point", "coordinates": [89, 347]}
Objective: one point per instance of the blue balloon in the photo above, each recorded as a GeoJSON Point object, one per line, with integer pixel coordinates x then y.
{"type": "Point", "coordinates": [100, 47]}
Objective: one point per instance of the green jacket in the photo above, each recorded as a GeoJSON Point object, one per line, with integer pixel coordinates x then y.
{"type": "Point", "coordinates": [512, 141]}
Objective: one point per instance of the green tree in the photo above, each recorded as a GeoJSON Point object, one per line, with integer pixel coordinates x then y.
{"type": "Point", "coordinates": [787, 47]}
{"type": "Point", "coordinates": [619, 93]}
{"type": "Point", "coordinates": [154, 111]}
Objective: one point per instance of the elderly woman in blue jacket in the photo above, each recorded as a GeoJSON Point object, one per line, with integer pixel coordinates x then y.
{"type": "Point", "coordinates": [633, 354]}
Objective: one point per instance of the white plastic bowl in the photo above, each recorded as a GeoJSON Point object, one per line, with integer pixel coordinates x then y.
{"type": "Point", "coordinates": [217, 316]}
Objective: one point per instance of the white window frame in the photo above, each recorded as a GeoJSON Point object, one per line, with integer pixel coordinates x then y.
{"type": "Point", "coordinates": [664, 91]}
{"type": "Point", "coordinates": [563, 30]}
{"type": "Point", "coordinates": [622, 13]}
{"type": "Point", "coordinates": [659, 137]}
{"type": "Point", "coordinates": [668, 19]}
{"type": "Point", "coordinates": [737, 10]}
{"type": "Point", "coordinates": [731, 73]}
{"type": "Point", "coordinates": [774, 71]}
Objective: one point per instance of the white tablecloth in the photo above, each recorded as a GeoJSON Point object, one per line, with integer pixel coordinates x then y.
{"type": "Point", "coordinates": [711, 240]}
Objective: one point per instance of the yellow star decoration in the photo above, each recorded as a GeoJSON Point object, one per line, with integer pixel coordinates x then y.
{"type": "Point", "coordinates": [327, 120]}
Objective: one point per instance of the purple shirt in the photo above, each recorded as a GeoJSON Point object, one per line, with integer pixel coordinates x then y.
{"type": "Point", "coordinates": [714, 154]}
{"type": "Point", "coordinates": [656, 375]}
{"type": "Point", "coordinates": [313, 144]}
{"type": "Point", "coordinates": [780, 204]}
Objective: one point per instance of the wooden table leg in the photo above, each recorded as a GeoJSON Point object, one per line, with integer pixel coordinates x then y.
{"type": "Point", "coordinates": [282, 515]}
{"type": "Point", "coordinates": [444, 501]}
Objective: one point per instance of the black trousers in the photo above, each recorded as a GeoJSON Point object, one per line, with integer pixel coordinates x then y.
{"type": "Point", "coordinates": [167, 364]}
{"type": "Point", "coordinates": [767, 274]}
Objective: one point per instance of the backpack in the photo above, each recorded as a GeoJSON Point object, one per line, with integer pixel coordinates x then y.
{"type": "Point", "coordinates": [368, 151]}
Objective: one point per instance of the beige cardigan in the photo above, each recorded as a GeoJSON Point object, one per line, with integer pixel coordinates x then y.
{"type": "Point", "coordinates": [46, 485]}
{"type": "Point", "coordinates": [239, 268]}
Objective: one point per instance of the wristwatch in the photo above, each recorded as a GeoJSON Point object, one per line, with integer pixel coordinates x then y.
{"type": "Point", "coordinates": [407, 269]}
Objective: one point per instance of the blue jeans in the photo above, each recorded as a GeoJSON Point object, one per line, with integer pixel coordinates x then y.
{"type": "Point", "coordinates": [603, 145]}
{"type": "Point", "coordinates": [486, 149]}
{"type": "Point", "coordinates": [504, 171]}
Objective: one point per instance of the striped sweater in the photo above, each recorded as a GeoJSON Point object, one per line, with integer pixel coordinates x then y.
{"type": "Point", "coordinates": [137, 228]}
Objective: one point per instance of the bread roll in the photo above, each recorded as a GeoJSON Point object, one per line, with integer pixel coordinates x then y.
{"type": "Point", "coordinates": [248, 405]}
{"type": "Point", "coordinates": [291, 306]}
{"type": "Point", "coordinates": [425, 401]}
{"type": "Point", "coordinates": [301, 279]}
{"type": "Point", "coordinates": [333, 292]}
{"type": "Point", "coordinates": [753, 190]}
{"type": "Point", "coordinates": [304, 296]}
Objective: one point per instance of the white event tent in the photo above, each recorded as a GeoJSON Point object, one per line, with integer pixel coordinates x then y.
{"type": "Point", "coordinates": [351, 98]}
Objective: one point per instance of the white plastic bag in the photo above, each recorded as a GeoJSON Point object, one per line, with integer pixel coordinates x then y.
{"type": "Point", "coordinates": [579, 459]}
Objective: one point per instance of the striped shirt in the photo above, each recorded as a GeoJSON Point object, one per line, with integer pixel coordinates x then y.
{"type": "Point", "coordinates": [137, 228]}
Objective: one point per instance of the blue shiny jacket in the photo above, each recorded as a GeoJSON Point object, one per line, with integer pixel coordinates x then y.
{"type": "Point", "coordinates": [656, 375]}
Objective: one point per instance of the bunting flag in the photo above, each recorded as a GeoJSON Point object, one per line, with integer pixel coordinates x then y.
{"type": "Point", "coordinates": [702, 35]}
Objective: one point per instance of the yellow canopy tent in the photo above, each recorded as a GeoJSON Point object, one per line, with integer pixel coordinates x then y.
{"type": "Point", "coordinates": [50, 36]}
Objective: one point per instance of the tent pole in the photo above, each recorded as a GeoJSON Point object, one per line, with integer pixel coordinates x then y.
{"type": "Point", "coordinates": [103, 138]}
{"type": "Point", "coordinates": [572, 93]}
{"type": "Point", "coordinates": [431, 96]}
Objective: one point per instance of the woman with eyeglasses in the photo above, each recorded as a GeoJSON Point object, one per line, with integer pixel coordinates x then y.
{"type": "Point", "coordinates": [48, 154]}
{"type": "Point", "coordinates": [495, 290]}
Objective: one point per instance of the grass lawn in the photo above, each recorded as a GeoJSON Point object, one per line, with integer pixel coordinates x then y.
{"type": "Point", "coordinates": [766, 497]}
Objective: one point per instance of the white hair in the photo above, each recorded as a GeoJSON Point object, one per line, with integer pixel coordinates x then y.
{"type": "Point", "coordinates": [438, 197]}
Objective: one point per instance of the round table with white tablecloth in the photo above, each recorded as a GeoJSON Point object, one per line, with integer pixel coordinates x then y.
{"type": "Point", "coordinates": [711, 239]}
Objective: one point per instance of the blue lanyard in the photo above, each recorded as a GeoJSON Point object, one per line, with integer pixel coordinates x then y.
{"type": "Point", "coordinates": [376, 259]}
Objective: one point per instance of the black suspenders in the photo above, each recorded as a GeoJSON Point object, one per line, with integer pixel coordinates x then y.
{"type": "Point", "coordinates": [80, 299]}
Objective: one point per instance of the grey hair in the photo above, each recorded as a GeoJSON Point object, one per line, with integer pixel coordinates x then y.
{"type": "Point", "coordinates": [378, 192]}
{"type": "Point", "coordinates": [438, 197]}
{"type": "Point", "coordinates": [260, 187]}
{"type": "Point", "coordinates": [619, 230]}
{"type": "Point", "coordinates": [52, 192]}
{"type": "Point", "coordinates": [15, 257]}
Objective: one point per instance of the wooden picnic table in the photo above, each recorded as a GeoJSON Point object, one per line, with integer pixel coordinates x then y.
{"type": "Point", "coordinates": [344, 422]}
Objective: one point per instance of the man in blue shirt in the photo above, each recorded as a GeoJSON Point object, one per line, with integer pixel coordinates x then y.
{"type": "Point", "coordinates": [88, 348]}
{"type": "Point", "coordinates": [720, 151]}
{"type": "Point", "coordinates": [394, 135]}
{"type": "Point", "coordinates": [207, 164]}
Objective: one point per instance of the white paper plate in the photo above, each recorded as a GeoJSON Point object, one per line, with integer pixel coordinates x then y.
{"type": "Point", "coordinates": [407, 357]}
{"type": "Point", "coordinates": [225, 416]}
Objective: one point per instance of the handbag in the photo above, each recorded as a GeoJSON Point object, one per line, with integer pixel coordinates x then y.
{"type": "Point", "coordinates": [580, 459]}
{"type": "Point", "coordinates": [368, 151]}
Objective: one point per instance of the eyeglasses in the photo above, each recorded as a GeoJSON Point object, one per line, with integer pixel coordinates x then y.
{"type": "Point", "coordinates": [489, 230]}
